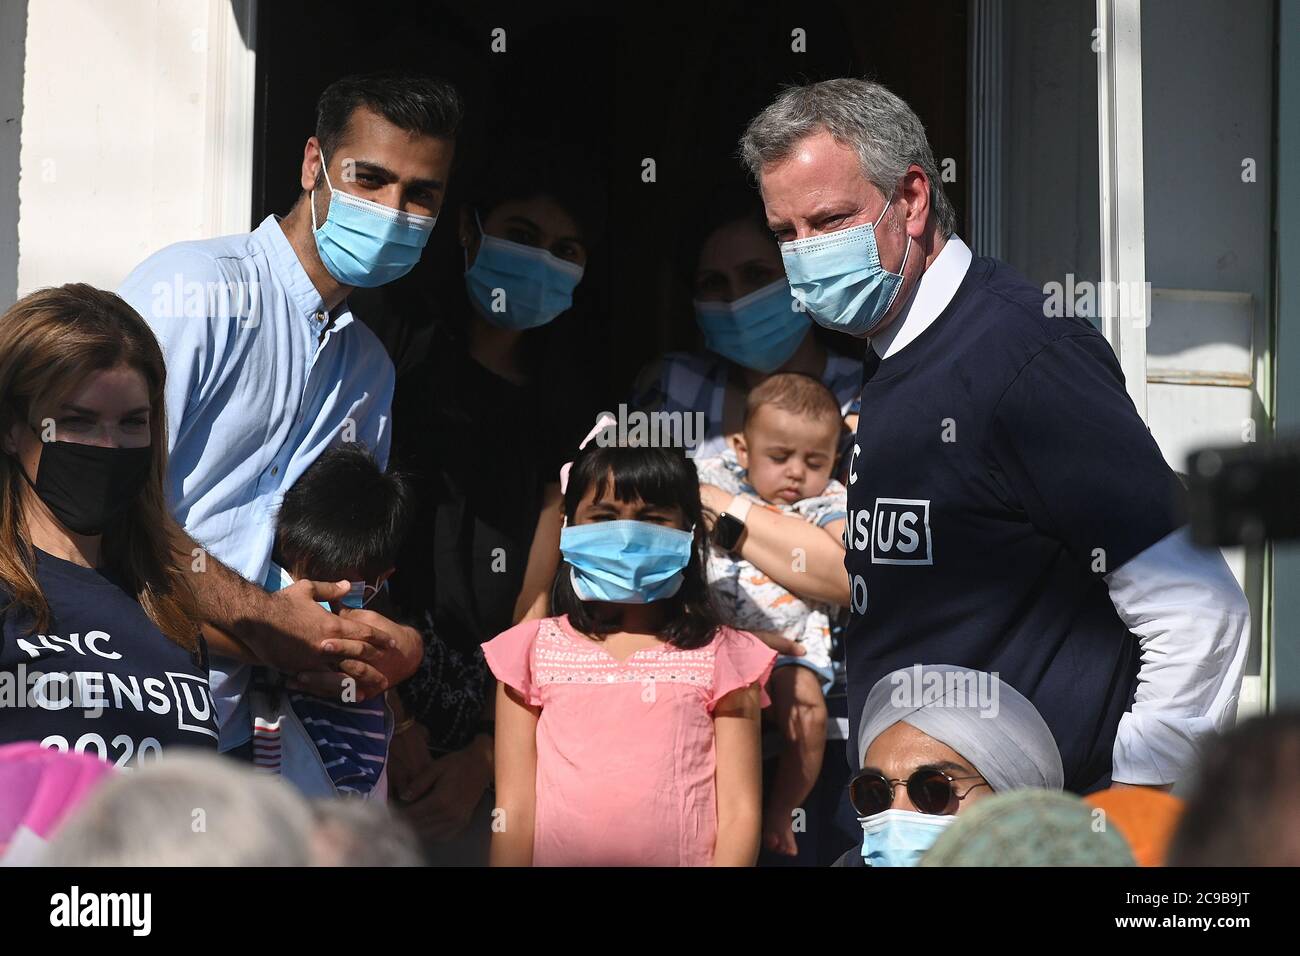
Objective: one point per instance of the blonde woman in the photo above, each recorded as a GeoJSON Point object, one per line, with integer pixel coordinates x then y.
{"type": "Point", "coordinates": [99, 628]}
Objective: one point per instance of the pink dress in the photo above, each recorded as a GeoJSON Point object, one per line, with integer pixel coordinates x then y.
{"type": "Point", "coordinates": [625, 749]}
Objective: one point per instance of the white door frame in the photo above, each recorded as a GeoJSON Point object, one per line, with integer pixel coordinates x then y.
{"type": "Point", "coordinates": [232, 94]}
{"type": "Point", "coordinates": [1124, 298]}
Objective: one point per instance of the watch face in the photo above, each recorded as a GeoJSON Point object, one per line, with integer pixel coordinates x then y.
{"type": "Point", "coordinates": [727, 531]}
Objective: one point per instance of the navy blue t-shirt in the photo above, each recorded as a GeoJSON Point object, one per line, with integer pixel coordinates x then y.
{"type": "Point", "coordinates": [103, 680]}
{"type": "Point", "coordinates": [1000, 472]}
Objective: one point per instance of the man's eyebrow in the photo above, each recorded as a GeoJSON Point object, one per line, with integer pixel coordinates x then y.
{"type": "Point", "coordinates": [948, 766]}
{"type": "Point", "coordinates": [386, 174]}
{"type": "Point", "coordinates": [835, 208]}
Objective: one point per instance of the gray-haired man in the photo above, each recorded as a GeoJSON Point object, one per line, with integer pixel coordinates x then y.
{"type": "Point", "coordinates": [1008, 509]}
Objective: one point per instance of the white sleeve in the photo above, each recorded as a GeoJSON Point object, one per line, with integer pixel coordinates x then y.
{"type": "Point", "coordinates": [1193, 623]}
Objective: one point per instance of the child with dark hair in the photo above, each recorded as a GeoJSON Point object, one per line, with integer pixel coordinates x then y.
{"type": "Point", "coordinates": [627, 725]}
{"type": "Point", "coordinates": [343, 519]}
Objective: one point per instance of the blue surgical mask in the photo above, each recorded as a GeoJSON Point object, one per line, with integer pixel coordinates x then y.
{"type": "Point", "coordinates": [515, 286]}
{"type": "Point", "coordinates": [360, 594]}
{"type": "Point", "coordinates": [625, 562]}
{"type": "Point", "coordinates": [839, 279]}
{"type": "Point", "coordinates": [367, 244]}
{"type": "Point", "coordinates": [277, 579]}
{"type": "Point", "coordinates": [900, 837]}
{"type": "Point", "coordinates": [759, 331]}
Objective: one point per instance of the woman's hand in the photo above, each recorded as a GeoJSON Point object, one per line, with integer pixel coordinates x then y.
{"type": "Point", "coordinates": [440, 799]}
{"type": "Point", "coordinates": [780, 643]}
{"type": "Point", "coordinates": [802, 558]}
{"type": "Point", "coordinates": [408, 758]}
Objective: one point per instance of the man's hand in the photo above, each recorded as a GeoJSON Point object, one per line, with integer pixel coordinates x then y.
{"type": "Point", "coordinates": [440, 800]}
{"type": "Point", "coordinates": [293, 633]}
{"type": "Point", "coordinates": [390, 657]}
{"type": "Point", "coordinates": [287, 630]}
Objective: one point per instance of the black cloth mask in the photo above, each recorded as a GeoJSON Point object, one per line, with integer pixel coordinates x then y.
{"type": "Point", "coordinates": [87, 486]}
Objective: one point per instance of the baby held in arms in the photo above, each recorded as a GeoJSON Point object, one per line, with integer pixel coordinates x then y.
{"type": "Point", "coordinates": [782, 460]}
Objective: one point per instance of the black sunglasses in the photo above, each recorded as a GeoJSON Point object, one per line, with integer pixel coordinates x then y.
{"type": "Point", "coordinates": [931, 791]}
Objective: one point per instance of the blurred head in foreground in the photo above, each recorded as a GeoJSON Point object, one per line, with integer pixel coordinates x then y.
{"type": "Point", "coordinates": [39, 788]}
{"type": "Point", "coordinates": [1245, 806]}
{"type": "Point", "coordinates": [1030, 828]}
{"type": "Point", "coordinates": [205, 810]}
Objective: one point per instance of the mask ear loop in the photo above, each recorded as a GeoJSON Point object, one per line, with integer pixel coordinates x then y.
{"type": "Point", "coordinates": [22, 469]}
{"type": "Point", "coordinates": [902, 265]}
{"type": "Point", "coordinates": [324, 168]}
{"type": "Point", "coordinates": [481, 236]}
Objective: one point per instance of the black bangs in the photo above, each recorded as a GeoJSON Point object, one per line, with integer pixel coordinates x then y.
{"type": "Point", "coordinates": [657, 476]}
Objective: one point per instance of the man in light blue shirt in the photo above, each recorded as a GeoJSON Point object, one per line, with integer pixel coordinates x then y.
{"type": "Point", "coordinates": [266, 368]}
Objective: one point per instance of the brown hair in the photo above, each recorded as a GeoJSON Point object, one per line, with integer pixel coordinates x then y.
{"type": "Point", "coordinates": [796, 393]}
{"type": "Point", "coordinates": [50, 340]}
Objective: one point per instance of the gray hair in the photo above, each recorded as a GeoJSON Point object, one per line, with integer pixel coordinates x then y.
{"type": "Point", "coordinates": [860, 114]}
{"type": "Point", "coordinates": [355, 832]}
{"type": "Point", "coordinates": [188, 809]}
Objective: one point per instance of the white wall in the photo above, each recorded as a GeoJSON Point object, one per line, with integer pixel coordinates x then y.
{"type": "Point", "coordinates": [13, 33]}
{"type": "Point", "coordinates": [137, 132]}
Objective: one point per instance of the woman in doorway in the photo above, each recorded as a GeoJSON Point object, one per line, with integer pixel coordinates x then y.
{"type": "Point", "coordinates": [483, 422]}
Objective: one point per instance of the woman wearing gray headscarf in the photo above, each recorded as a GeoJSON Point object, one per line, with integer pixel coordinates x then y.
{"type": "Point", "coordinates": [932, 739]}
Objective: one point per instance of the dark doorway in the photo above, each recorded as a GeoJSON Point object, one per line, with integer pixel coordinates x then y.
{"type": "Point", "coordinates": [615, 84]}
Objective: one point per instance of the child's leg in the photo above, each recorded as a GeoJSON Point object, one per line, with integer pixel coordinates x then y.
{"type": "Point", "coordinates": [799, 712]}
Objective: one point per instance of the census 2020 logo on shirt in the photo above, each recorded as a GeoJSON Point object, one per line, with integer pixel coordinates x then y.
{"type": "Point", "coordinates": [902, 532]}
{"type": "Point", "coordinates": [896, 530]}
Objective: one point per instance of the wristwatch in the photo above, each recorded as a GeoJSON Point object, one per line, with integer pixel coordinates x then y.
{"type": "Point", "coordinates": [731, 523]}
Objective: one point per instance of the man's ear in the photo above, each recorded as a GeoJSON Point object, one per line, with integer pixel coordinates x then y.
{"type": "Point", "coordinates": [916, 191]}
{"type": "Point", "coordinates": [312, 158]}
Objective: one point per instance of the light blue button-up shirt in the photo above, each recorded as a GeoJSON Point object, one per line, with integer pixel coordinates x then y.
{"type": "Point", "coordinates": [254, 394]}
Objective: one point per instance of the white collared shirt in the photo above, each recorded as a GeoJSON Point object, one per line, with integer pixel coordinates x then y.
{"type": "Point", "coordinates": [933, 292]}
{"type": "Point", "coordinates": [255, 392]}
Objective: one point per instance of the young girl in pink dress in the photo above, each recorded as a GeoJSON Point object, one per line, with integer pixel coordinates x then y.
{"type": "Point", "coordinates": [627, 727]}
